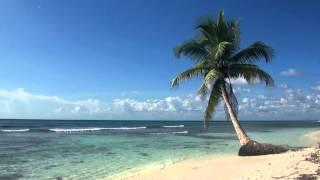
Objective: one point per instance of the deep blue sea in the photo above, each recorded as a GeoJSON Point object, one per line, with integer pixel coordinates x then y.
{"type": "Point", "coordinates": [74, 149]}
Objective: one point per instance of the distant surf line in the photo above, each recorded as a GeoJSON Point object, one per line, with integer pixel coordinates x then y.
{"type": "Point", "coordinates": [94, 129]}
{"type": "Point", "coordinates": [174, 126]}
{"type": "Point", "coordinates": [14, 130]}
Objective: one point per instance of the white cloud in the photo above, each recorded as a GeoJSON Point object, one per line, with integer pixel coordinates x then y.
{"type": "Point", "coordinates": [283, 86]}
{"type": "Point", "coordinates": [242, 81]}
{"type": "Point", "coordinates": [238, 81]}
{"type": "Point", "coordinates": [290, 72]}
{"type": "Point", "coordinates": [168, 104]}
{"type": "Point", "coordinates": [294, 104]}
{"type": "Point", "coordinates": [316, 87]}
{"type": "Point", "coordinates": [28, 103]}
{"type": "Point", "coordinates": [19, 103]}
{"type": "Point", "coordinates": [245, 100]}
{"type": "Point", "coordinates": [241, 90]}
{"type": "Point", "coordinates": [58, 110]}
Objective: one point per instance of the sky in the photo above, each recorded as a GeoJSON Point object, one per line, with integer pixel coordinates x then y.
{"type": "Point", "coordinates": [113, 59]}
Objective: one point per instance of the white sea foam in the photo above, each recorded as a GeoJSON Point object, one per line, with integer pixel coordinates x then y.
{"type": "Point", "coordinates": [125, 128]}
{"type": "Point", "coordinates": [93, 129]}
{"type": "Point", "coordinates": [74, 129]}
{"type": "Point", "coordinates": [175, 126]}
{"type": "Point", "coordinates": [14, 130]}
{"type": "Point", "coordinates": [177, 132]}
{"type": "Point", "coordinates": [181, 132]}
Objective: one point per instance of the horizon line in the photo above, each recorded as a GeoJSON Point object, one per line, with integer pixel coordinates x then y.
{"type": "Point", "coordinates": [39, 119]}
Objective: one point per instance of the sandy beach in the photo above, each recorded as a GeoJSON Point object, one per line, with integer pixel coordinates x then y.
{"type": "Point", "coordinates": [301, 164]}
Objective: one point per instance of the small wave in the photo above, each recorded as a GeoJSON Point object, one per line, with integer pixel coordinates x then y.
{"type": "Point", "coordinates": [178, 132]}
{"type": "Point", "coordinates": [125, 128]}
{"type": "Point", "coordinates": [93, 129]}
{"type": "Point", "coordinates": [181, 132]}
{"type": "Point", "coordinates": [14, 130]}
{"type": "Point", "coordinates": [175, 126]}
{"type": "Point", "coordinates": [75, 130]}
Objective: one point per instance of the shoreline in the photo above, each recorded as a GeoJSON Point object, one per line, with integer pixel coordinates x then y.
{"type": "Point", "coordinates": [289, 165]}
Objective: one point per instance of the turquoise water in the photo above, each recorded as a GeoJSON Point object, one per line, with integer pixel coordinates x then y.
{"type": "Point", "coordinates": [31, 149]}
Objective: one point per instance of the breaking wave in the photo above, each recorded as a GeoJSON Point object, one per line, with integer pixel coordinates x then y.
{"type": "Point", "coordinates": [93, 129]}
{"type": "Point", "coordinates": [14, 130]}
{"type": "Point", "coordinates": [175, 126]}
{"type": "Point", "coordinates": [177, 132]}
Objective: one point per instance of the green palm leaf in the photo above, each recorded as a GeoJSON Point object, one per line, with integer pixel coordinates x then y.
{"type": "Point", "coordinates": [232, 100]}
{"type": "Point", "coordinates": [213, 101]}
{"type": "Point", "coordinates": [250, 73]}
{"type": "Point", "coordinates": [253, 53]}
{"type": "Point", "coordinates": [188, 74]}
{"type": "Point", "coordinates": [192, 49]}
{"type": "Point", "coordinates": [209, 79]}
{"type": "Point", "coordinates": [221, 49]}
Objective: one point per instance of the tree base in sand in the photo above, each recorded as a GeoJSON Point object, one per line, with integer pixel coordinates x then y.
{"type": "Point", "coordinates": [253, 148]}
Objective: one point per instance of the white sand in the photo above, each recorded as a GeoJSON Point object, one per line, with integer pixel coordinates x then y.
{"type": "Point", "coordinates": [288, 165]}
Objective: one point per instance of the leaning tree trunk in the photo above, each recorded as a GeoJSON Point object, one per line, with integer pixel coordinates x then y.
{"type": "Point", "coordinates": [248, 146]}
{"type": "Point", "coordinates": [242, 135]}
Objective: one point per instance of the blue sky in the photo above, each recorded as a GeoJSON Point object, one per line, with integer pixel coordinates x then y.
{"type": "Point", "coordinates": [113, 59]}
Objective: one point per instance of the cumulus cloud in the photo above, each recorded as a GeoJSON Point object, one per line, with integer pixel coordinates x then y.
{"type": "Point", "coordinates": [283, 86]}
{"type": "Point", "coordinates": [293, 104]}
{"type": "Point", "coordinates": [290, 72]}
{"type": "Point", "coordinates": [241, 90]}
{"type": "Point", "coordinates": [241, 81]}
{"type": "Point", "coordinates": [238, 81]}
{"type": "Point", "coordinates": [19, 103]}
{"type": "Point", "coordinates": [316, 87]}
{"type": "Point", "coordinates": [168, 104]}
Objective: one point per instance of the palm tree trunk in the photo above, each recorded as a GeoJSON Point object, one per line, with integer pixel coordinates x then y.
{"type": "Point", "coordinates": [243, 137]}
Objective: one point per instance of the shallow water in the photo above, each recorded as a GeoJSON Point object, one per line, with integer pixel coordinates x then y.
{"type": "Point", "coordinates": [34, 149]}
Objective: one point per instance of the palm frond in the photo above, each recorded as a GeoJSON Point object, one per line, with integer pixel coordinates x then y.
{"type": "Point", "coordinates": [200, 63]}
{"type": "Point", "coordinates": [232, 100]}
{"type": "Point", "coordinates": [220, 50]}
{"type": "Point", "coordinates": [214, 99]}
{"type": "Point", "coordinates": [220, 18]}
{"type": "Point", "coordinates": [217, 31]}
{"type": "Point", "coordinates": [250, 73]}
{"type": "Point", "coordinates": [209, 79]}
{"type": "Point", "coordinates": [233, 27]}
{"type": "Point", "coordinates": [203, 90]}
{"type": "Point", "coordinates": [221, 25]}
{"type": "Point", "coordinates": [192, 49]}
{"type": "Point", "coordinates": [207, 28]}
{"type": "Point", "coordinates": [211, 75]}
{"type": "Point", "coordinates": [254, 52]}
{"type": "Point", "coordinates": [188, 74]}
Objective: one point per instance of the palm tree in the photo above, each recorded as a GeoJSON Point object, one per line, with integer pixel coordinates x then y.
{"type": "Point", "coordinates": [218, 59]}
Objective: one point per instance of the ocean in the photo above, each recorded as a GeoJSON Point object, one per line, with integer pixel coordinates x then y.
{"type": "Point", "coordinates": [79, 149]}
